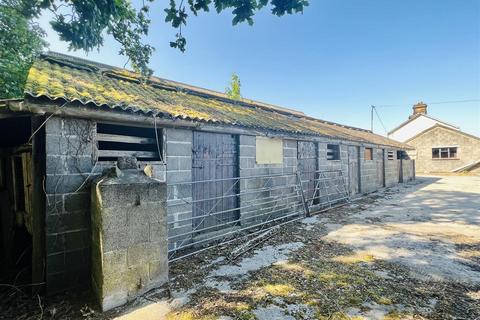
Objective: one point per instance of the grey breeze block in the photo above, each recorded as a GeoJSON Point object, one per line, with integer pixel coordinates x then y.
{"type": "Point", "coordinates": [129, 237]}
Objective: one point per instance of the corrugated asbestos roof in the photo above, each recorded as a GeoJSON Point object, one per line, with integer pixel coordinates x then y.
{"type": "Point", "coordinates": [58, 76]}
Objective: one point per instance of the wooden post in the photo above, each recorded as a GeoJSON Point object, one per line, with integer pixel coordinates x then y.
{"type": "Point", "coordinates": [38, 205]}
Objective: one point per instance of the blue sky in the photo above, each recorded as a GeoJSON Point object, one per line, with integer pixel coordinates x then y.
{"type": "Point", "coordinates": [332, 62]}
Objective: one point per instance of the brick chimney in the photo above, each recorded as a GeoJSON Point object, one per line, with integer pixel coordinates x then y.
{"type": "Point", "coordinates": [419, 108]}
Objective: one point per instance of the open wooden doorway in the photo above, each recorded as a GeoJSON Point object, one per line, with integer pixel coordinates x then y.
{"type": "Point", "coordinates": [16, 202]}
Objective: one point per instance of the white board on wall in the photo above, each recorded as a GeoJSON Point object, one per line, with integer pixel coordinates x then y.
{"type": "Point", "coordinates": [269, 150]}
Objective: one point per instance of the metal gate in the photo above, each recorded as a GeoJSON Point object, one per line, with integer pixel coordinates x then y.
{"type": "Point", "coordinates": [329, 188]}
{"type": "Point", "coordinates": [307, 161]}
{"type": "Point", "coordinates": [214, 168]}
{"type": "Point", "coordinates": [265, 201]}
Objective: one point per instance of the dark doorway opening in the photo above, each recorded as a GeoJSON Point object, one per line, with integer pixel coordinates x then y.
{"type": "Point", "coordinates": [15, 201]}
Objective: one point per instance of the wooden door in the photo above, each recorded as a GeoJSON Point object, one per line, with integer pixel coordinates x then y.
{"type": "Point", "coordinates": [215, 164]}
{"type": "Point", "coordinates": [307, 168]}
{"type": "Point", "coordinates": [380, 168]}
{"type": "Point", "coordinates": [354, 169]}
{"type": "Point", "coordinates": [400, 170]}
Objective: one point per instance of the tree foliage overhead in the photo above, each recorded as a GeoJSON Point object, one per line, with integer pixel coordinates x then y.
{"type": "Point", "coordinates": [20, 41]}
{"type": "Point", "coordinates": [233, 91]}
{"type": "Point", "coordinates": [84, 23]}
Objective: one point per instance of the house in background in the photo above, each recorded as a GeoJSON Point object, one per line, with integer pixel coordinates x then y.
{"type": "Point", "coordinates": [440, 147]}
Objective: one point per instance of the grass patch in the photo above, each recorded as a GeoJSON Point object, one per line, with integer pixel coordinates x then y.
{"type": "Point", "coordinates": [280, 290]}
{"type": "Point", "coordinates": [356, 257]}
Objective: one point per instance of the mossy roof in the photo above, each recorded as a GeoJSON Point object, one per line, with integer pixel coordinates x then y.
{"type": "Point", "coordinates": [58, 76]}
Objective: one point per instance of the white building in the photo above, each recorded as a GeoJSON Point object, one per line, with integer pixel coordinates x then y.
{"type": "Point", "coordinates": [418, 122]}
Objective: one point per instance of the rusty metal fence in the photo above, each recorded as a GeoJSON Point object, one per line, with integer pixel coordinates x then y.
{"type": "Point", "coordinates": [201, 217]}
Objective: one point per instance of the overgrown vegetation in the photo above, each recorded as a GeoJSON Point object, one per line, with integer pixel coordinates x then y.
{"type": "Point", "coordinates": [233, 91]}
{"type": "Point", "coordinates": [20, 42]}
{"type": "Point", "coordinates": [84, 24]}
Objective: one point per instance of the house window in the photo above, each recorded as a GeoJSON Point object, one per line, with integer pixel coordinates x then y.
{"type": "Point", "coordinates": [269, 150]}
{"type": "Point", "coordinates": [116, 141]}
{"type": "Point", "coordinates": [333, 152]}
{"type": "Point", "coordinates": [368, 154]}
{"type": "Point", "coordinates": [390, 155]}
{"type": "Point", "coordinates": [444, 153]}
{"type": "Point", "coordinates": [401, 155]}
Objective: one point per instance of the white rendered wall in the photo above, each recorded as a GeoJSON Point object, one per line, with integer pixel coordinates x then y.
{"type": "Point", "coordinates": [413, 128]}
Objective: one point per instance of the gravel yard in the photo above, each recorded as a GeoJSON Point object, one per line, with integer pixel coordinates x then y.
{"type": "Point", "coordinates": [408, 252]}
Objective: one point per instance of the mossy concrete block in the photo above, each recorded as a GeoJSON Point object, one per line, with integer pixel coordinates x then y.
{"type": "Point", "coordinates": [137, 280]}
{"type": "Point", "coordinates": [129, 234]}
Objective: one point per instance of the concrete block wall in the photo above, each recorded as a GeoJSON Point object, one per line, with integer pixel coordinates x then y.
{"type": "Point", "coordinates": [408, 170]}
{"type": "Point", "coordinates": [391, 171]}
{"type": "Point", "coordinates": [129, 233]}
{"type": "Point", "coordinates": [368, 169]}
{"type": "Point", "coordinates": [71, 166]}
{"type": "Point", "coordinates": [69, 162]}
{"type": "Point", "coordinates": [179, 144]}
{"type": "Point", "coordinates": [468, 150]}
{"type": "Point", "coordinates": [249, 168]}
{"type": "Point", "coordinates": [336, 185]}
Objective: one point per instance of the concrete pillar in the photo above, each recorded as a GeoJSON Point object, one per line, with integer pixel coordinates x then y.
{"type": "Point", "coordinates": [129, 235]}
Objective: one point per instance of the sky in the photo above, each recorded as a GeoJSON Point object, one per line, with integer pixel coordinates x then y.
{"type": "Point", "coordinates": [333, 61]}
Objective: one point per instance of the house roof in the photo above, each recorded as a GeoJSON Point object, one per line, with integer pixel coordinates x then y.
{"type": "Point", "coordinates": [418, 115]}
{"type": "Point", "coordinates": [438, 125]}
{"type": "Point", "coordinates": [57, 76]}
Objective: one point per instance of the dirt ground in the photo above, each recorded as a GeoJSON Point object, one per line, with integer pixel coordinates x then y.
{"type": "Point", "coordinates": [408, 252]}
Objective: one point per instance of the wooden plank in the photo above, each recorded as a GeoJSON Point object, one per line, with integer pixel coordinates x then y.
{"type": "Point", "coordinates": [38, 205]}
{"type": "Point", "coordinates": [123, 153]}
{"type": "Point", "coordinates": [125, 139]}
{"type": "Point", "coordinates": [27, 187]}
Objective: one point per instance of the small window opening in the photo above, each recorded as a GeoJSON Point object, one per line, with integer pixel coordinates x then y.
{"type": "Point", "coordinates": [368, 154]}
{"type": "Point", "coordinates": [126, 141]}
{"type": "Point", "coordinates": [333, 152]}
{"type": "Point", "coordinates": [444, 153]}
{"type": "Point", "coordinates": [401, 155]}
{"type": "Point", "coordinates": [391, 155]}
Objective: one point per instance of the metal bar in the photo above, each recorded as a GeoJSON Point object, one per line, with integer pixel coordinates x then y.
{"type": "Point", "coordinates": [302, 194]}
{"type": "Point", "coordinates": [232, 232]}
{"type": "Point", "coordinates": [238, 178]}
{"type": "Point", "coordinates": [229, 189]}
{"type": "Point", "coordinates": [279, 205]}
{"type": "Point", "coordinates": [231, 240]}
{"type": "Point", "coordinates": [231, 195]}
{"type": "Point", "coordinates": [230, 222]}
{"type": "Point", "coordinates": [230, 210]}
{"type": "Point", "coordinates": [342, 198]}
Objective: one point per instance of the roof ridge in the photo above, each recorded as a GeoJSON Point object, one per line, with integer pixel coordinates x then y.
{"type": "Point", "coordinates": [129, 75]}
{"type": "Point", "coordinates": [418, 115]}
{"type": "Point", "coordinates": [440, 125]}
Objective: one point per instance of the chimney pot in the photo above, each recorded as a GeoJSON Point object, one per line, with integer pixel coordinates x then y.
{"type": "Point", "coordinates": [420, 108]}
